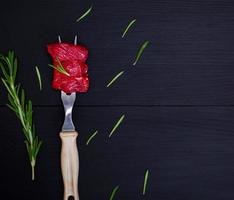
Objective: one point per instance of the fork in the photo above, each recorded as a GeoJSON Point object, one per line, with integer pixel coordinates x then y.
{"type": "Point", "coordinates": [69, 151]}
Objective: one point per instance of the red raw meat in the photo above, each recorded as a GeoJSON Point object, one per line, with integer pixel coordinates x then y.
{"type": "Point", "coordinates": [72, 57]}
{"type": "Point", "coordinates": [66, 51]}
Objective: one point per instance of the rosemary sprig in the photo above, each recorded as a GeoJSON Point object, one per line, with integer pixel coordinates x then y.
{"type": "Point", "coordinates": [85, 14]}
{"type": "Point", "coordinates": [113, 192]}
{"type": "Point", "coordinates": [38, 77]}
{"type": "Point", "coordinates": [59, 67]}
{"type": "Point", "coordinates": [91, 137]}
{"type": "Point", "coordinates": [115, 78]}
{"type": "Point", "coordinates": [20, 107]}
{"type": "Point", "coordinates": [117, 125]}
{"type": "Point", "coordinates": [145, 181]}
{"type": "Point", "coordinates": [140, 51]}
{"type": "Point", "coordinates": [128, 27]}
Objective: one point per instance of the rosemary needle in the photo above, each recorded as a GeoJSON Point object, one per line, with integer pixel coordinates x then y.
{"type": "Point", "coordinates": [117, 125]}
{"type": "Point", "coordinates": [85, 14]}
{"type": "Point", "coordinates": [145, 181]}
{"type": "Point", "coordinates": [115, 78]}
{"type": "Point", "coordinates": [113, 193]}
{"type": "Point", "coordinates": [140, 51]}
{"type": "Point", "coordinates": [91, 137]}
{"type": "Point", "coordinates": [38, 77]}
{"type": "Point", "coordinates": [60, 68]}
{"type": "Point", "coordinates": [128, 27]}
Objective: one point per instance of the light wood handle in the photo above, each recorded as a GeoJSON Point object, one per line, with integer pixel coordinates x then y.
{"type": "Point", "coordinates": [70, 164]}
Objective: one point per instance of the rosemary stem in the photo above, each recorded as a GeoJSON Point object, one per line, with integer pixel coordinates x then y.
{"type": "Point", "coordinates": [16, 97]}
{"type": "Point", "coordinates": [20, 109]}
{"type": "Point", "coordinates": [33, 169]}
{"type": "Point", "coordinates": [20, 112]}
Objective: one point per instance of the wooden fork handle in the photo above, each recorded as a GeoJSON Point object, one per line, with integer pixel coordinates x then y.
{"type": "Point", "coordinates": [70, 164]}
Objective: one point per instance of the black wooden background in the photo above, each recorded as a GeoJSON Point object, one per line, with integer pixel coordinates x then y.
{"type": "Point", "coordinates": [178, 100]}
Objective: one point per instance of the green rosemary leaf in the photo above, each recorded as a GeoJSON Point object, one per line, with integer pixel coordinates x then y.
{"type": "Point", "coordinates": [25, 134]}
{"type": "Point", "coordinates": [117, 125]}
{"type": "Point", "coordinates": [7, 87]}
{"type": "Point", "coordinates": [63, 71]}
{"type": "Point", "coordinates": [38, 146]}
{"type": "Point", "coordinates": [17, 88]}
{"type": "Point", "coordinates": [12, 102]}
{"type": "Point", "coordinates": [130, 24]}
{"type": "Point", "coordinates": [27, 146]}
{"type": "Point", "coordinates": [10, 57]}
{"type": "Point", "coordinates": [9, 64]}
{"type": "Point", "coordinates": [23, 110]}
{"type": "Point", "coordinates": [10, 99]}
{"type": "Point", "coordinates": [60, 69]}
{"type": "Point", "coordinates": [22, 97]}
{"type": "Point", "coordinates": [58, 61]}
{"type": "Point", "coordinates": [91, 137]}
{"type": "Point", "coordinates": [34, 143]}
{"type": "Point", "coordinates": [14, 68]}
{"type": "Point", "coordinates": [140, 51]}
{"type": "Point", "coordinates": [113, 193]}
{"type": "Point", "coordinates": [11, 107]}
{"type": "Point", "coordinates": [145, 182]}
{"type": "Point", "coordinates": [85, 14]}
{"type": "Point", "coordinates": [4, 71]}
{"type": "Point", "coordinates": [38, 77]}
{"type": "Point", "coordinates": [115, 78]}
{"type": "Point", "coordinates": [29, 113]}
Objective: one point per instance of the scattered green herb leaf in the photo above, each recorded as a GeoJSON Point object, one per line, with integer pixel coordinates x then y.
{"type": "Point", "coordinates": [91, 137]}
{"type": "Point", "coordinates": [145, 181]}
{"type": "Point", "coordinates": [113, 193]}
{"type": "Point", "coordinates": [60, 68]}
{"type": "Point", "coordinates": [115, 78]}
{"type": "Point", "coordinates": [22, 109]}
{"type": "Point", "coordinates": [140, 51]}
{"type": "Point", "coordinates": [85, 14]}
{"type": "Point", "coordinates": [38, 77]}
{"type": "Point", "coordinates": [117, 125]}
{"type": "Point", "coordinates": [128, 27]}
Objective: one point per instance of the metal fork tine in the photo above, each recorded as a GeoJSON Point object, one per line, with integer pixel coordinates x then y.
{"type": "Point", "coordinates": [68, 102]}
{"type": "Point", "coordinates": [59, 39]}
{"type": "Point", "coordinates": [75, 40]}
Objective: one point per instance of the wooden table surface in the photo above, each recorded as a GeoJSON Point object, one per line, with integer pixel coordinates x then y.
{"type": "Point", "coordinates": [178, 100]}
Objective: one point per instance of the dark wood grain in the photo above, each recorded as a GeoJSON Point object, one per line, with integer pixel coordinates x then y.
{"type": "Point", "coordinates": [178, 100]}
{"type": "Point", "coordinates": [189, 60]}
{"type": "Point", "coordinates": [189, 152]}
